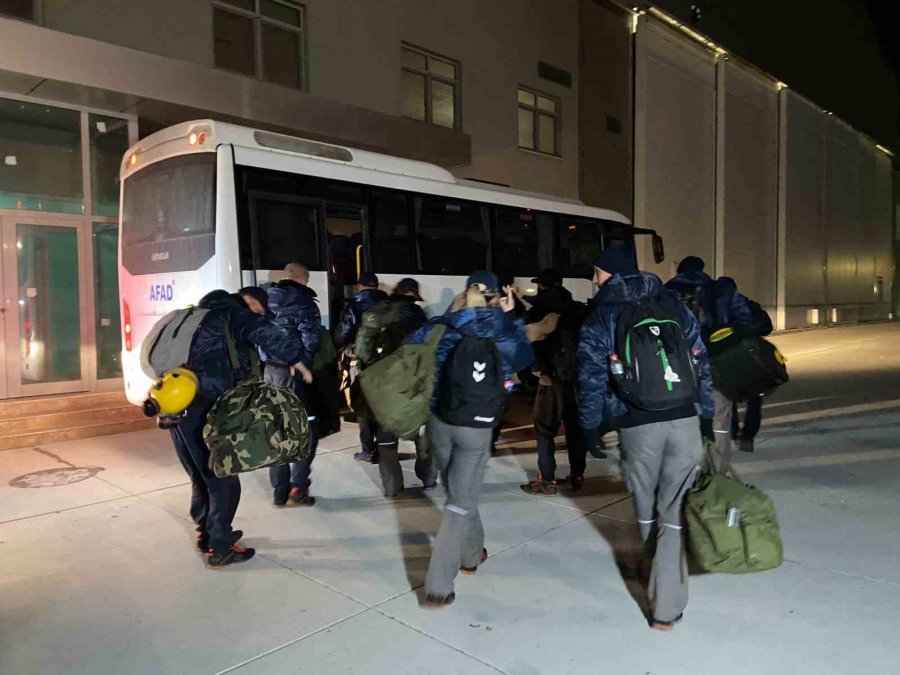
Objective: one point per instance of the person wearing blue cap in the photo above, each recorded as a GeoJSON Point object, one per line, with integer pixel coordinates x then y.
{"type": "Point", "coordinates": [480, 346]}
{"type": "Point", "coordinates": [639, 356]}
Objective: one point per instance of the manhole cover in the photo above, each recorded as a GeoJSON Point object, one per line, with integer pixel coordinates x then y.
{"type": "Point", "coordinates": [55, 477]}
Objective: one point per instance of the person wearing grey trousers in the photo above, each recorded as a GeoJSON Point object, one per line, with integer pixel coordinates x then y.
{"type": "Point", "coordinates": [461, 451]}
{"type": "Point", "coordinates": [661, 445]}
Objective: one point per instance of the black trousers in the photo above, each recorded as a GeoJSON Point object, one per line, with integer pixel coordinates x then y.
{"type": "Point", "coordinates": [554, 405]}
{"type": "Point", "coordinates": [214, 501]}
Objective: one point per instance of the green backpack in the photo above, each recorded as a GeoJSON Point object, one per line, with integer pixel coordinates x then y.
{"type": "Point", "coordinates": [254, 424]}
{"type": "Point", "coordinates": [398, 388]}
{"type": "Point", "coordinates": [379, 333]}
{"type": "Point", "coordinates": [731, 526]}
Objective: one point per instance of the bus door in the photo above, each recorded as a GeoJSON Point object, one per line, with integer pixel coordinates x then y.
{"type": "Point", "coordinates": [345, 258]}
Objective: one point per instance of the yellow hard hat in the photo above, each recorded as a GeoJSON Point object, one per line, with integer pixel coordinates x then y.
{"type": "Point", "coordinates": [174, 391]}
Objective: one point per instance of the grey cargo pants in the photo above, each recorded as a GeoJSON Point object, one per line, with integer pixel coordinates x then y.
{"type": "Point", "coordinates": [461, 456]}
{"type": "Point", "coordinates": [660, 462]}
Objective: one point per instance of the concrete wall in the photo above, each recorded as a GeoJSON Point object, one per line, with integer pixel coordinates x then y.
{"type": "Point", "coordinates": [605, 98]}
{"type": "Point", "coordinates": [353, 57]}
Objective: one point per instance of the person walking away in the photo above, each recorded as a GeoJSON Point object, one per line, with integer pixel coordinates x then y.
{"type": "Point", "coordinates": [214, 501]}
{"type": "Point", "coordinates": [714, 305]}
{"type": "Point", "coordinates": [367, 296]}
{"type": "Point", "coordinates": [763, 327]}
{"type": "Point", "coordinates": [293, 304]}
{"type": "Point", "coordinates": [553, 323]}
{"type": "Point", "coordinates": [505, 282]}
{"type": "Point", "coordinates": [481, 346]}
{"type": "Point", "coordinates": [637, 328]}
{"type": "Point", "coordinates": [382, 330]}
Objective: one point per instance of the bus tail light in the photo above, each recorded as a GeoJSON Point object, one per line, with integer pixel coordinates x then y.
{"type": "Point", "coordinates": [126, 317]}
{"type": "Point", "coordinates": [197, 138]}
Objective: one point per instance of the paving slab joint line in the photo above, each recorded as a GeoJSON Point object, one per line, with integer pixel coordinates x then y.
{"type": "Point", "coordinates": [316, 581]}
{"type": "Point", "coordinates": [237, 666]}
{"type": "Point", "coordinates": [442, 642]}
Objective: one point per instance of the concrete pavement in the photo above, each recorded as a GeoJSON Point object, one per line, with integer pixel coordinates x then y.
{"type": "Point", "coordinates": [98, 575]}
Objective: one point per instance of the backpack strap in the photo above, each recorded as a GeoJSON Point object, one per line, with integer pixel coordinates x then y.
{"type": "Point", "coordinates": [233, 357]}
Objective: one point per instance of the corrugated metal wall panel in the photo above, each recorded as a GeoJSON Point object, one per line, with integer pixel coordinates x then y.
{"type": "Point", "coordinates": [749, 203]}
{"type": "Point", "coordinates": [675, 110]}
{"type": "Point", "coordinates": [803, 146]}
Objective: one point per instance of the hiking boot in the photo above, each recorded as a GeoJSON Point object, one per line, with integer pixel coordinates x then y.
{"type": "Point", "coordinates": [366, 457]}
{"type": "Point", "coordinates": [236, 554]}
{"type": "Point", "coordinates": [747, 445]}
{"type": "Point", "coordinates": [301, 497]}
{"type": "Point", "coordinates": [541, 488]}
{"type": "Point", "coordinates": [575, 482]}
{"type": "Point", "coordinates": [279, 499]}
{"type": "Point", "coordinates": [473, 570]}
{"type": "Point", "coordinates": [439, 601]}
{"type": "Point", "coordinates": [203, 539]}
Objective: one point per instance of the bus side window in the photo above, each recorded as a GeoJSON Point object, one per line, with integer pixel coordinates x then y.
{"type": "Point", "coordinates": [286, 231]}
{"type": "Point", "coordinates": [515, 244]}
{"type": "Point", "coordinates": [451, 235]}
{"type": "Point", "coordinates": [579, 242]}
{"type": "Point", "coordinates": [390, 238]}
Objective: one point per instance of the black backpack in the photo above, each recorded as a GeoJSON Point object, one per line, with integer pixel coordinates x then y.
{"type": "Point", "coordinates": [563, 343]}
{"type": "Point", "coordinates": [472, 391]}
{"type": "Point", "coordinates": [655, 365]}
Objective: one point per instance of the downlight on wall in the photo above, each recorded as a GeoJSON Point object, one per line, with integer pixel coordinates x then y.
{"type": "Point", "coordinates": [694, 35]}
{"type": "Point", "coordinates": [884, 150]}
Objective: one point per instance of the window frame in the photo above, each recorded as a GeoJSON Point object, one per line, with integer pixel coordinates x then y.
{"type": "Point", "coordinates": [259, 19]}
{"type": "Point", "coordinates": [536, 112]}
{"type": "Point", "coordinates": [429, 76]}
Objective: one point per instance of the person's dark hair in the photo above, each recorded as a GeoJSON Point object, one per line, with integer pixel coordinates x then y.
{"type": "Point", "coordinates": [691, 264]}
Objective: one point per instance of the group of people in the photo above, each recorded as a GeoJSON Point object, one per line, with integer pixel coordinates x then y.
{"type": "Point", "coordinates": [570, 347]}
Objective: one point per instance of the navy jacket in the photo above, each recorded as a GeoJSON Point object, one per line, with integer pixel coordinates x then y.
{"type": "Point", "coordinates": [412, 317]}
{"type": "Point", "coordinates": [720, 301]}
{"type": "Point", "coordinates": [597, 401]}
{"type": "Point", "coordinates": [296, 313]}
{"type": "Point", "coordinates": [345, 330]}
{"type": "Point", "coordinates": [507, 332]}
{"type": "Point", "coordinates": [209, 352]}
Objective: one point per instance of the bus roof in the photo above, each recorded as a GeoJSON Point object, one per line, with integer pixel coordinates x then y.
{"type": "Point", "coordinates": [409, 174]}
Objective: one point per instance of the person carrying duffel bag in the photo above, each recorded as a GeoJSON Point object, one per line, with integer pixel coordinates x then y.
{"type": "Point", "coordinates": [731, 526]}
{"type": "Point", "coordinates": [215, 499]}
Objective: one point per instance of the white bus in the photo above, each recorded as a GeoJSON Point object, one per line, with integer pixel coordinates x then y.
{"type": "Point", "coordinates": [209, 205]}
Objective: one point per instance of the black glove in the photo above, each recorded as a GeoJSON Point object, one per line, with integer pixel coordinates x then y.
{"type": "Point", "coordinates": [706, 430]}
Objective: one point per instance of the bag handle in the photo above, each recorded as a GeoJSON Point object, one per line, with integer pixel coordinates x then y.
{"type": "Point", "coordinates": [435, 336]}
{"type": "Point", "coordinates": [711, 468]}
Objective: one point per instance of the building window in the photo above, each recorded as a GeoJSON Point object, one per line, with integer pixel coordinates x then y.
{"type": "Point", "coordinates": [260, 38]}
{"type": "Point", "coordinates": [19, 9]}
{"type": "Point", "coordinates": [538, 122]}
{"type": "Point", "coordinates": [430, 88]}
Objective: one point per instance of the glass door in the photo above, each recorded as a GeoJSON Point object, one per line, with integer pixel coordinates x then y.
{"type": "Point", "coordinates": [47, 305]}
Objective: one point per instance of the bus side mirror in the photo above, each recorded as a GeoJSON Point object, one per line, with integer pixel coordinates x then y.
{"type": "Point", "coordinates": [659, 249]}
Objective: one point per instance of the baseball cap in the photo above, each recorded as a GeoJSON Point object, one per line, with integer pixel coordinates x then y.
{"type": "Point", "coordinates": [486, 281]}
{"type": "Point", "coordinates": [406, 285]}
{"type": "Point", "coordinates": [368, 279]}
{"type": "Point", "coordinates": [616, 260]}
{"type": "Point", "coordinates": [548, 277]}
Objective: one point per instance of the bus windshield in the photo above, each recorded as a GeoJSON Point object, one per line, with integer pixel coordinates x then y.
{"type": "Point", "coordinates": [168, 216]}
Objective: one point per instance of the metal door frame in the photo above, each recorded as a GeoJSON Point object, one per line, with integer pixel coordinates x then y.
{"type": "Point", "coordinates": [11, 363]}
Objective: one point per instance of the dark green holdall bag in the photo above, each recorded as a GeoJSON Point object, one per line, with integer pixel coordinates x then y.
{"type": "Point", "coordinates": [731, 526]}
{"type": "Point", "coordinates": [398, 388]}
{"type": "Point", "coordinates": [254, 424]}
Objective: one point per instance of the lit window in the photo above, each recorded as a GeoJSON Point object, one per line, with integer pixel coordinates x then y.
{"type": "Point", "coordinates": [430, 88]}
{"type": "Point", "coordinates": [538, 122]}
{"type": "Point", "coordinates": [260, 38]}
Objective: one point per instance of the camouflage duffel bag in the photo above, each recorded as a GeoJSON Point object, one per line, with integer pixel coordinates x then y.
{"type": "Point", "coordinates": [255, 425]}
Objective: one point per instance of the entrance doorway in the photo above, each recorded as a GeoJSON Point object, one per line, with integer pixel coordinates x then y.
{"type": "Point", "coordinates": [45, 306]}
{"type": "Point", "coordinates": [344, 228]}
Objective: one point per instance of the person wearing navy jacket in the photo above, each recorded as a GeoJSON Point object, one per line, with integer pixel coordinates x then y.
{"type": "Point", "coordinates": [214, 501]}
{"type": "Point", "coordinates": [293, 304]}
{"type": "Point", "coordinates": [661, 448]}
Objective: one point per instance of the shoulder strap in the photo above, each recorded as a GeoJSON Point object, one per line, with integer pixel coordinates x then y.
{"type": "Point", "coordinates": [435, 335]}
{"type": "Point", "coordinates": [233, 357]}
